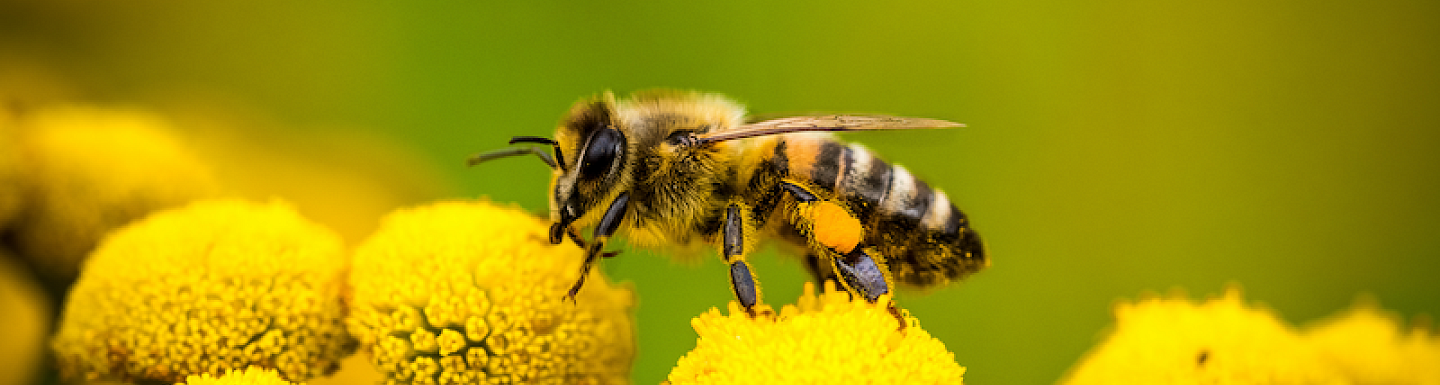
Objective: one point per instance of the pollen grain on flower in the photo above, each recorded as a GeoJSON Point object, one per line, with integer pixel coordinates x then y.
{"type": "Point", "coordinates": [208, 287]}
{"type": "Point", "coordinates": [830, 337]}
{"type": "Point", "coordinates": [467, 291]}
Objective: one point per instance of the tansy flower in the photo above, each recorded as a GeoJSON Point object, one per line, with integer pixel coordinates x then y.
{"type": "Point", "coordinates": [829, 338]}
{"type": "Point", "coordinates": [87, 170]}
{"type": "Point", "coordinates": [26, 316]}
{"type": "Point", "coordinates": [468, 292]}
{"type": "Point", "coordinates": [212, 286]}
{"type": "Point", "coordinates": [343, 177]}
{"type": "Point", "coordinates": [1369, 346]}
{"type": "Point", "coordinates": [1220, 341]}
{"type": "Point", "coordinates": [248, 376]}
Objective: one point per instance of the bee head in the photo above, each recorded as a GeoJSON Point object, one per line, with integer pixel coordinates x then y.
{"type": "Point", "coordinates": [591, 154]}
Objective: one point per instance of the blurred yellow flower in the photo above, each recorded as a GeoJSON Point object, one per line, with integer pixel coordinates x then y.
{"type": "Point", "coordinates": [823, 339]}
{"type": "Point", "coordinates": [343, 177]}
{"type": "Point", "coordinates": [1369, 346]}
{"type": "Point", "coordinates": [10, 181]}
{"type": "Point", "coordinates": [26, 316]}
{"type": "Point", "coordinates": [212, 286]}
{"type": "Point", "coordinates": [87, 170]}
{"type": "Point", "coordinates": [1220, 341]}
{"type": "Point", "coordinates": [249, 376]}
{"type": "Point", "coordinates": [467, 292]}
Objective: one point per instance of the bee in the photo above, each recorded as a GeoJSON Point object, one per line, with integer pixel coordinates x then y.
{"type": "Point", "coordinates": [687, 168]}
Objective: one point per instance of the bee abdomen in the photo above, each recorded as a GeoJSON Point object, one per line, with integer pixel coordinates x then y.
{"type": "Point", "coordinates": [925, 238]}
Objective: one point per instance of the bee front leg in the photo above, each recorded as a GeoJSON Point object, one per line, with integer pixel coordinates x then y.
{"type": "Point", "coordinates": [733, 247]}
{"type": "Point", "coordinates": [608, 224]}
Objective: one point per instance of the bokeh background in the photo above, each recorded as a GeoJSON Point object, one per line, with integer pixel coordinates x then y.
{"type": "Point", "coordinates": [1113, 147]}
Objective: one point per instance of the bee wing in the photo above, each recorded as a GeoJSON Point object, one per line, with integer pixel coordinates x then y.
{"type": "Point", "coordinates": [825, 123]}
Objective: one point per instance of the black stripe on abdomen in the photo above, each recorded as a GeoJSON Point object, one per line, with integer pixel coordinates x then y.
{"type": "Point", "coordinates": [834, 158]}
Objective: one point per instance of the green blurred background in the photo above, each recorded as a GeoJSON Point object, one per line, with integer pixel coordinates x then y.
{"type": "Point", "coordinates": [1113, 147]}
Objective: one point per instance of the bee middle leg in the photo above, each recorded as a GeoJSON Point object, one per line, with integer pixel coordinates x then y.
{"type": "Point", "coordinates": [733, 245]}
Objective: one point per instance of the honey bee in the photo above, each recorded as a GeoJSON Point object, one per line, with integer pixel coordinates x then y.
{"type": "Point", "coordinates": [685, 168]}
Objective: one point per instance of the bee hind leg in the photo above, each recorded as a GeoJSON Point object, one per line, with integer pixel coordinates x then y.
{"type": "Point", "coordinates": [820, 270]}
{"type": "Point", "coordinates": [863, 276]}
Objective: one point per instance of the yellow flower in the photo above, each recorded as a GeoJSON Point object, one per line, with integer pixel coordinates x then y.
{"type": "Point", "coordinates": [88, 170]}
{"type": "Point", "coordinates": [465, 292]}
{"type": "Point", "coordinates": [1221, 341]}
{"type": "Point", "coordinates": [212, 286]}
{"type": "Point", "coordinates": [823, 339]}
{"type": "Point", "coordinates": [1368, 345]}
{"type": "Point", "coordinates": [248, 376]}
{"type": "Point", "coordinates": [343, 177]}
{"type": "Point", "coordinates": [26, 315]}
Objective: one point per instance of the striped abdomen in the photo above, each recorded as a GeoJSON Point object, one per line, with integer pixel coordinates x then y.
{"type": "Point", "coordinates": [924, 239]}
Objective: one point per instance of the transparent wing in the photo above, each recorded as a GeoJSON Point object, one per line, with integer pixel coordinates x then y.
{"type": "Point", "coordinates": [825, 123]}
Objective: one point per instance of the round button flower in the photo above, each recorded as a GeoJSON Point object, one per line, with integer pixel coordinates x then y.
{"type": "Point", "coordinates": [826, 338]}
{"type": "Point", "coordinates": [208, 287]}
{"type": "Point", "coordinates": [467, 292]}
{"type": "Point", "coordinates": [87, 170]}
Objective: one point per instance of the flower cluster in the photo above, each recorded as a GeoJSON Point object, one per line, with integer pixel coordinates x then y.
{"type": "Point", "coordinates": [830, 337]}
{"type": "Point", "coordinates": [212, 286]}
{"type": "Point", "coordinates": [466, 292]}
{"type": "Point", "coordinates": [1224, 341]}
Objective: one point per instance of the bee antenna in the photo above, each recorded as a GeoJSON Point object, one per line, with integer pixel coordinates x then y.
{"type": "Point", "coordinates": [533, 139]}
{"type": "Point", "coordinates": [558, 160]}
{"type": "Point", "coordinates": [497, 154]}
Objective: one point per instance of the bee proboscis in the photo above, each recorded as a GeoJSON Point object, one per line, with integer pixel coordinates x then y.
{"type": "Point", "coordinates": [679, 168]}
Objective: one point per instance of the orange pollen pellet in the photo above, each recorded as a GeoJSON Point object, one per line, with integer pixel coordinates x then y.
{"type": "Point", "coordinates": [834, 227]}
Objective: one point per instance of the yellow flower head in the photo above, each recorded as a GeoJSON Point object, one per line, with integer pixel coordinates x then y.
{"type": "Point", "coordinates": [1370, 347]}
{"type": "Point", "coordinates": [249, 376]}
{"type": "Point", "coordinates": [89, 170]}
{"type": "Point", "coordinates": [829, 338]}
{"type": "Point", "coordinates": [26, 315]}
{"type": "Point", "coordinates": [212, 286]}
{"type": "Point", "coordinates": [460, 292]}
{"type": "Point", "coordinates": [1221, 341]}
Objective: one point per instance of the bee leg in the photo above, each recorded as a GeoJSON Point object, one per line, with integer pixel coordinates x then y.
{"type": "Point", "coordinates": [581, 242]}
{"type": "Point", "coordinates": [819, 270]}
{"type": "Point", "coordinates": [733, 246]}
{"type": "Point", "coordinates": [867, 278]}
{"type": "Point", "coordinates": [801, 195]}
{"type": "Point", "coordinates": [862, 274]}
{"type": "Point", "coordinates": [608, 224]}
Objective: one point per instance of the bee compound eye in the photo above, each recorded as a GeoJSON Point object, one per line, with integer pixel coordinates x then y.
{"type": "Point", "coordinates": [604, 147]}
